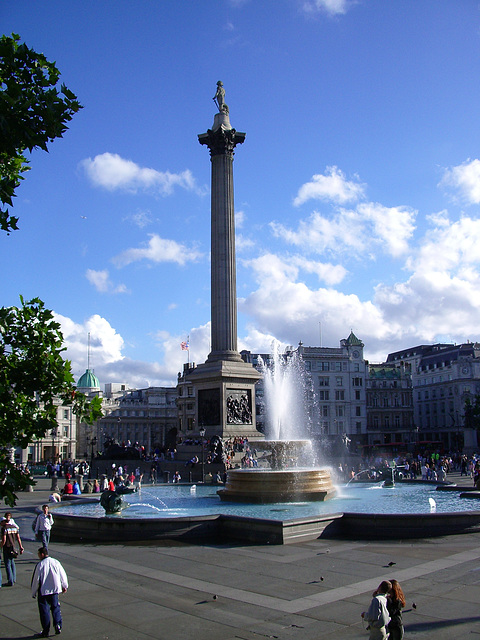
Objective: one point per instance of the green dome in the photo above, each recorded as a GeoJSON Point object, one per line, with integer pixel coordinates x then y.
{"type": "Point", "coordinates": [88, 381]}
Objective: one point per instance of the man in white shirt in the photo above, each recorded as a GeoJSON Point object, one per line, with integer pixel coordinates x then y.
{"type": "Point", "coordinates": [43, 526]}
{"type": "Point", "coordinates": [49, 579]}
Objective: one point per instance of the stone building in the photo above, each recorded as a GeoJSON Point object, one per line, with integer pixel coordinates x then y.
{"type": "Point", "coordinates": [336, 392]}
{"type": "Point", "coordinates": [444, 377]}
{"type": "Point", "coordinates": [186, 426]}
{"type": "Point", "coordinates": [339, 383]}
{"type": "Point", "coordinates": [144, 416]}
{"type": "Point", "coordinates": [390, 420]}
{"type": "Point", "coordinates": [59, 444]}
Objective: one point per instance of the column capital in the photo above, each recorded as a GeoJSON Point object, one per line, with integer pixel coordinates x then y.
{"type": "Point", "coordinates": [221, 141]}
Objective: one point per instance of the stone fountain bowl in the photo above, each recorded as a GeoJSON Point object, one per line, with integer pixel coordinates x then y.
{"type": "Point", "coordinates": [277, 485]}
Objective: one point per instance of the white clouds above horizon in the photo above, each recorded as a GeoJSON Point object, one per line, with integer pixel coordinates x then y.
{"type": "Point", "coordinates": [112, 172]}
{"type": "Point", "coordinates": [465, 181]}
{"type": "Point", "coordinates": [106, 344]}
{"type": "Point", "coordinates": [438, 296]}
{"type": "Point", "coordinates": [368, 227]}
{"type": "Point", "coordinates": [333, 186]}
{"type": "Point", "coordinates": [157, 250]}
{"type": "Point", "coordinates": [102, 283]}
{"type": "Point", "coordinates": [111, 365]}
{"type": "Point", "coordinates": [331, 7]}
{"type": "Point", "coordinates": [433, 294]}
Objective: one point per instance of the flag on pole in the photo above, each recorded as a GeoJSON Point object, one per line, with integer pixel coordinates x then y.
{"type": "Point", "coordinates": [185, 345]}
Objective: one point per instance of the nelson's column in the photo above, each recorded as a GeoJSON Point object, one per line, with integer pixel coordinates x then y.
{"type": "Point", "coordinates": [225, 384]}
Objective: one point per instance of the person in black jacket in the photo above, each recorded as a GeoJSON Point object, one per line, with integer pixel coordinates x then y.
{"type": "Point", "coordinates": [395, 604]}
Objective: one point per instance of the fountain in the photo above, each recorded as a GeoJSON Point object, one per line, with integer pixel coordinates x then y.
{"type": "Point", "coordinates": [287, 470]}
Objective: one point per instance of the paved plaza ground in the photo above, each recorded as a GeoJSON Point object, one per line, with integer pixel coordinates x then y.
{"type": "Point", "coordinates": [314, 590]}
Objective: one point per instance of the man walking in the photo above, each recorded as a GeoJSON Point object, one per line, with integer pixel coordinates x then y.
{"type": "Point", "coordinates": [49, 579]}
{"type": "Point", "coordinates": [43, 526]}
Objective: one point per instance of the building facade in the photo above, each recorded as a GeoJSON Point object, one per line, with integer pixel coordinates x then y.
{"type": "Point", "coordinates": [336, 389]}
{"type": "Point", "coordinates": [146, 417]}
{"type": "Point", "coordinates": [445, 377]}
{"type": "Point", "coordinates": [390, 415]}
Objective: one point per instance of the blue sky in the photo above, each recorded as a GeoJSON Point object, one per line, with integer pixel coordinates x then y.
{"type": "Point", "coordinates": [357, 189]}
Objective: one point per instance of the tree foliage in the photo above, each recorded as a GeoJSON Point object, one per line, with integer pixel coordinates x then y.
{"type": "Point", "coordinates": [33, 112]}
{"type": "Point", "coordinates": [33, 374]}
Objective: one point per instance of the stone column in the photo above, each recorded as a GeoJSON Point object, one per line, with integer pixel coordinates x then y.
{"type": "Point", "coordinates": [221, 141]}
{"type": "Point", "coordinates": [224, 385]}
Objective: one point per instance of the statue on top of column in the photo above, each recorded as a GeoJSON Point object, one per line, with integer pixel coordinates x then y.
{"type": "Point", "coordinates": [219, 98]}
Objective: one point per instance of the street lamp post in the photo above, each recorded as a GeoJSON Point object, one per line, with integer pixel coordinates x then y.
{"type": "Point", "coordinates": [202, 435]}
{"type": "Point", "coordinates": [54, 433]}
{"type": "Point", "coordinates": [92, 442]}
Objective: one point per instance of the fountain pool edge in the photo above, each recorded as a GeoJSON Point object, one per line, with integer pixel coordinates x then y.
{"type": "Point", "coordinates": [240, 529]}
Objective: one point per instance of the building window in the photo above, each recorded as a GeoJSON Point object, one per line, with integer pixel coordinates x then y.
{"type": "Point", "coordinates": [323, 382]}
{"type": "Point", "coordinates": [339, 411]}
{"type": "Point", "coordinates": [324, 411]}
{"type": "Point", "coordinates": [357, 395]}
{"type": "Point", "coordinates": [65, 414]}
{"type": "Point", "coordinates": [356, 367]}
{"type": "Point", "coordinates": [339, 381]}
{"type": "Point", "coordinates": [339, 394]}
{"type": "Point", "coordinates": [323, 395]}
{"type": "Point", "coordinates": [357, 382]}
{"type": "Point", "coordinates": [338, 366]}
{"type": "Point", "coordinates": [358, 426]}
{"type": "Point", "coordinates": [324, 366]}
{"type": "Point", "coordinates": [358, 411]}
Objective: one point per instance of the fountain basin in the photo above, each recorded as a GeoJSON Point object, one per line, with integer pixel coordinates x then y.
{"type": "Point", "coordinates": [262, 486]}
{"type": "Point", "coordinates": [362, 511]}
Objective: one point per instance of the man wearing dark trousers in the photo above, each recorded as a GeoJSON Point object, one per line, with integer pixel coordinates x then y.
{"type": "Point", "coordinates": [49, 579]}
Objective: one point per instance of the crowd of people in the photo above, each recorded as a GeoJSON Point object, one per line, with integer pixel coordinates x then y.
{"type": "Point", "coordinates": [431, 466]}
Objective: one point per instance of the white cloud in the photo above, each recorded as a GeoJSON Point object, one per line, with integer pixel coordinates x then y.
{"type": "Point", "coordinates": [112, 172]}
{"type": "Point", "coordinates": [242, 243]}
{"type": "Point", "coordinates": [141, 218]}
{"type": "Point", "coordinates": [106, 344]}
{"type": "Point", "coordinates": [158, 250]}
{"type": "Point", "coordinates": [240, 218]}
{"type": "Point", "coordinates": [330, 186]}
{"type": "Point", "coordinates": [438, 298]}
{"type": "Point", "coordinates": [331, 274]}
{"type": "Point", "coordinates": [275, 270]}
{"type": "Point", "coordinates": [110, 364]}
{"type": "Point", "coordinates": [102, 283]}
{"type": "Point", "coordinates": [332, 7]}
{"type": "Point", "coordinates": [370, 226]}
{"type": "Point", "coordinates": [465, 180]}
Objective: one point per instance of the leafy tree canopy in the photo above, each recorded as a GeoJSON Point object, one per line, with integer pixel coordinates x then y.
{"type": "Point", "coordinates": [33, 374]}
{"type": "Point", "coordinates": [33, 112]}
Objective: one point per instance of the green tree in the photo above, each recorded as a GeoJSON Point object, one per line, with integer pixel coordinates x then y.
{"type": "Point", "coordinates": [33, 112]}
{"type": "Point", "coordinates": [33, 374]}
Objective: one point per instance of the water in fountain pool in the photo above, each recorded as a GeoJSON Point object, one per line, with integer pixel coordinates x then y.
{"type": "Point", "coordinates": [178, 501]}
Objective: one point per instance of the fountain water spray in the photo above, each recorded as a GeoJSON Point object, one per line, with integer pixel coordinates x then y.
{"type": "Point", "coordinates": [291, 474]}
